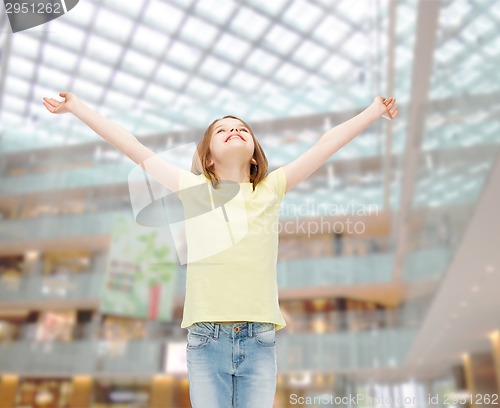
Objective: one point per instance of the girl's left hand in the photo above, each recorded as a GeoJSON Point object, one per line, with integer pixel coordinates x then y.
{"type": "Point", "coordinates": [386, 107]}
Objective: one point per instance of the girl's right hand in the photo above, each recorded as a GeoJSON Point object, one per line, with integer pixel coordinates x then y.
{"type": "Point", "coordinates": [55, 106]}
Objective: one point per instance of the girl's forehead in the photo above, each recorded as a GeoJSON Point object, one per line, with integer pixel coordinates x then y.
{"type": "Point", "coordinates": [228, 122]}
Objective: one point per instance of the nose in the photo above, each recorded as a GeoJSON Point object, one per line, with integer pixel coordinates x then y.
{"type": "Point", "coordinates": [233, 130]}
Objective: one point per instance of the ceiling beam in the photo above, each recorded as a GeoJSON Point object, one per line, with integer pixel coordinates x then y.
{"type": "Point", "coordinates": [425, 43]}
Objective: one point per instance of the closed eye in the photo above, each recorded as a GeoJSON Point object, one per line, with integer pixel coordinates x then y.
{"type": "Point", "coordinates": [220, 130]}
{"type": "Point", "coordinates": [244, 130]}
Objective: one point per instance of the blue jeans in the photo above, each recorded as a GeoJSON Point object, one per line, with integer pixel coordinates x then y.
{"type": "Point", "coordinates": [231, 365]}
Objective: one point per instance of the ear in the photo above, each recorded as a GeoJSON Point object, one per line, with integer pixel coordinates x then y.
{"type": "Point", "coordinates": [253, 161]}
{"type": "Point", "coordinates": [209, 162]}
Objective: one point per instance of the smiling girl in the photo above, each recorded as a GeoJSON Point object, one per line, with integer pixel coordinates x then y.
{"type": "Point", "coordinates": [231, 309]}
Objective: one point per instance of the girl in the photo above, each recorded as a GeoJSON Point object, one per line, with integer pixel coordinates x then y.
{"type": "Point", "coordinates": [231, 308]}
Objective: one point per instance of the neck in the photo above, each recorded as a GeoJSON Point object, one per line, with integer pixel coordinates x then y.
{"type": "Point", "coordinates": [233, 172]}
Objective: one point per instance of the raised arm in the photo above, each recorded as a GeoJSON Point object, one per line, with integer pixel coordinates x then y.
{"type": "Point", "coordinates": [161, 170]}
{"type": "Point", "coordinates": [307, 163]}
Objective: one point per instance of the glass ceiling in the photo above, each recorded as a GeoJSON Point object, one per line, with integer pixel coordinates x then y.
{"type": "Point", "coordinates": [168, 65]}
{"type": "Point", "coordinates": [160, 66]}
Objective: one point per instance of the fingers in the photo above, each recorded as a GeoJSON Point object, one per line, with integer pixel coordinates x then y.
{"type": "Point", "coordinates": [52, 102]}
{"type": "Point", "coordinates": [49, 107]}
{"type": "Point", "coordinates": [389, 102]}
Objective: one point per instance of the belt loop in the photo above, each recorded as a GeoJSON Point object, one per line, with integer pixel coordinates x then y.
{"type": "Point", "coordinates": [216, 330]}
{"type": "Point", "coordinates": [250, 329]}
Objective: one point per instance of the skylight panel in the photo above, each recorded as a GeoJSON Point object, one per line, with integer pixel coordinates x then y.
{"type": "Point", "coordinates": [314, 81]}
{"type": "Point", "coordinates": [246, 81]}
{"type": "Point", "coordinates": [102, 49]}
{"type": "Point", "coordinates": [217, 10]}
{"type": "Point", "coordinates": [131, 8]}
{"type": "Point", "coordinates": [53, 55]}
{"type": "Point", "coordinates": [290, 74]}
{"type": "Point", "coordinates": [96, 70]}
{"type": "Point", "coordinates": [87, 89]}
{"type": "Point", "coordinates": [249, 24]}
{"type": "Point", "coordinates": [302, 15]}
{"type": "Point", "coordinates": [82, 18]}
{"type": "Point", "coordinates": [216, 68]}
{"type": "Point", "coordinates": [128, 83]}
{"type": "Point", "coordinates": [331, 31]}
{"type": "Point", "coordinates": [309, 54]}
{"type": "Point", "coordinates": [183, 55]}
{"type": "Point", "coordinates": [113, 25]}
{"type": "Point", "coordinates": [9, 116]}
{"type": "Point", "coordinates": [455, 15]}
{"type": "Point", "coordinates": [16, 86]}
{"type": "Point", "coordinates": [335, 67]}
{"type": "Point", "coordinates": [198, 31]}
{"type": "Point", "coordinates": [282, 39]}
{"type": "Point", "coordinates": [139, 63]}
{"type": "Point", "coordinates": [163, 16]}
{"type": "Point", "coordinates": [272, 7]}
{"type": "Point", "coordinates": [231, 47]}
{"type": "Point", "coordinates": [53, 77]}
{"type": "Point", "coordinates": [198, 86]}
{"type": "Point", "coordinates": [356, 46]}
{"type": "Point", "coordinates": [149, 40]}
{"type": "Point", "coordinates": [118, 100]}
{"type": "Point", "coordinates": [171, 76]}
{"type": "Point", "coordinates": [357, 12]}
{"type": "Point", "coordinates": [21, 67]}
{"type": "Point", "coordinates": [73, 37]}
{"type": "Point", "coordinates": [262, 61]}
{"type": "Point", "coordinates": [159, 95]}
{"type": "Point", "coordinates": [25, 45]}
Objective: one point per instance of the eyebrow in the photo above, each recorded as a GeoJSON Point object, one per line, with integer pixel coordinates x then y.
{"type": "Point", "coordinates": [242, 125]}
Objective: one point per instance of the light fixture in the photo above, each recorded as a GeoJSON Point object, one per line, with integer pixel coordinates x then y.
{"type": "Point", "coordinates": [495, 335]}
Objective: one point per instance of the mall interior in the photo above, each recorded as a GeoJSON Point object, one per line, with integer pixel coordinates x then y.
{"type": "Point", "coordinates": [388, 263]}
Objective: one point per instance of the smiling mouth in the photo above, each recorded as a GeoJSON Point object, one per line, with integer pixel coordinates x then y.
{"type": "Point", "coordinates": [234, 136]}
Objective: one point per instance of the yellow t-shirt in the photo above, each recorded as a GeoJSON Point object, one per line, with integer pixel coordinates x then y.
{"type": "Point", "coordinates": [232, 249]}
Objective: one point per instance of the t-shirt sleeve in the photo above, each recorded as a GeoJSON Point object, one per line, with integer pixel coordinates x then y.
{"type": "Point", "coordinates": [188, 180]}
{"type": "Point", "coordinates": [277, 182]}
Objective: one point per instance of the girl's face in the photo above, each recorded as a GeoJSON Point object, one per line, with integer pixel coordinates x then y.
{"type": "Point", "coordinates": [231, 139]}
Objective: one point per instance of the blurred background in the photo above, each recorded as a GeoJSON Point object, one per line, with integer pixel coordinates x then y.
{"type": "Point", "coordinates": [388, 264]}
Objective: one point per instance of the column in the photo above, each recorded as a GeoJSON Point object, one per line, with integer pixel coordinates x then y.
{"type": "Point", "coordinates": [495, 344]}
{"type": "Point", "coordinates": [8, 389]}
{"type": "Point", "coordinates": [162, 394]}
{"type": "Point", "coordinates": [81, 396]}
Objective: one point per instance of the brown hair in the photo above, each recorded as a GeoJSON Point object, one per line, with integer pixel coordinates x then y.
{"type": "Point", "coordinates": [200, 159]}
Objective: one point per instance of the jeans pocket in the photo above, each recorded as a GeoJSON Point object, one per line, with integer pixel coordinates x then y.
{"type": "Point", "coordinates": [266, 338]}
{"type": "Point", "coordinates": [196, 340]}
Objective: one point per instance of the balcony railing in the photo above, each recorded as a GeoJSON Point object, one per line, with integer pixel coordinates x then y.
{"type": "Point", "coordinates": [296, 352]}
{"type": "Point", "coordinates": [79, 286]}
{"type": "Point", "coordinates": [80, 357]}
{"type": "Point", "coordinates": [56, 227]}
{"type": "Point", "coordinates": [85, 177]}
{"type": "Point", "coordinates": [343, 351]}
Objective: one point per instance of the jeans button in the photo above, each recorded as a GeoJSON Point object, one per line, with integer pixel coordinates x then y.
{"type": "Point", "coordinates": [237, 329]}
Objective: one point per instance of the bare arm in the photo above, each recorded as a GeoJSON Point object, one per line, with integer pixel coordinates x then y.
{"type": "Point", "coordinates": [160, 169]}
{"type": "Point", "coordinates": [307, 163]}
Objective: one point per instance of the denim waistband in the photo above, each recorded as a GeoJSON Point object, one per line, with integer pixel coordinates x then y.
{"type": "Point", "coordinates": [246, 328]}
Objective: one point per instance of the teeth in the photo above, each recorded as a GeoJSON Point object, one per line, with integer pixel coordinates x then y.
{"type": "Point", "coordinates": [232, 137]}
